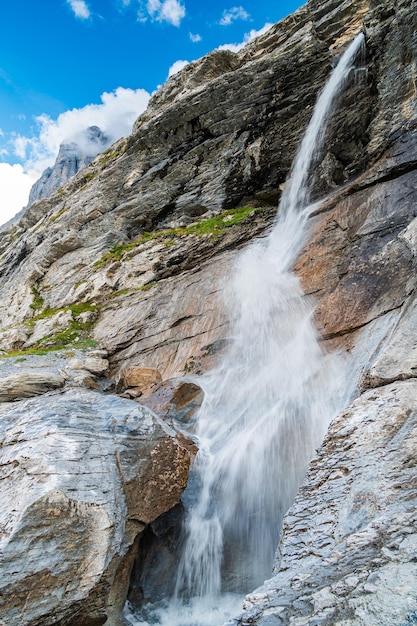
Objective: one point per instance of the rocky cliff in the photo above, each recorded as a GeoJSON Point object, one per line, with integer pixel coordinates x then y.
{"type": "Point", "coordinates": [132, 256]}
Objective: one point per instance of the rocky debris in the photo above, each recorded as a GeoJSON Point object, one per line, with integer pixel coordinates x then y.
{"type": "Point", "coordinates": [82, 474]}
{"type": "Point", "coordinates": [349, 542]}
{"type": "Point", "coordinates": [30, 375]}
{"type": "Point", "coordinates": [92, 364]}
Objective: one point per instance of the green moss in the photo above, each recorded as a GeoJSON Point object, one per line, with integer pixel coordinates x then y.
{"type": "Point", "coordinates": [58, 215]}
{"type": "Point", "coordinates": [120, 292]}
{"type": "Point", "coordinates": [82, 307]}
{"type": "Point", "coordinates": [87, 177]}
{"type": "Point", "coordinates": [189, 365]}
{"type": "Point", "coordinates": [109, 155]}
{"type": "Point", "coordinates": [214, 227]}
{"type": "Point", "coordinates": [146, 287]}
{"type": "Point", "coordinates": [76, 333]}
{"type": "Point", "coordinates": [76, 310]}
{"type": "Point", "coordinates": [46, 313]}
{"type": "Point", "coordinates": [38, 301]}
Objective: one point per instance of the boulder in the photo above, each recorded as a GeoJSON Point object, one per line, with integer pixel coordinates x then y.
{"type": "Point", "coordinates": [175, 399]}
{"type": "Point", "coordinates": [93, 364]}
{"type": "Point", "coordinates": [27, 384]}
{"type": "Point", "coordinates": [82, 474]}
{"type": "Point", "coordinates": [141, 378]}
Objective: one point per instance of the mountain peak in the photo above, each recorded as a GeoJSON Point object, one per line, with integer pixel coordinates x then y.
{"type": "Point", "coordinates": [73, 155]}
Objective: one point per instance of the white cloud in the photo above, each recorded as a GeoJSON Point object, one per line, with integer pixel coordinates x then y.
{"type": "Point", "coordinates": [195, 38]}
{"type": "Point", "coordinates": [235, 47]}
{"type": "Point", "coordinates": [115, 116]}
{"type": "Point", "coordinates": [171, 11]}
{"type": "Point", "coordinates": [80, 9]}
{"type": "Point", "coordinates": [233, 14]}
{"type": "Point", "coordinates": [15, 185]}
{"type": "Point", "coordinates": [176, 67]}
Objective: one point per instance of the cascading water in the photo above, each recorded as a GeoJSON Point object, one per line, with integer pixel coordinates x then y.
{"type": "Point", "coordinates": [266, 408]}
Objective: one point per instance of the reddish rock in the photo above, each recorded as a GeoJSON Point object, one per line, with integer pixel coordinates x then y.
{"type": "Point", "coordinates": [143, 379]}
{"type": "Point", "coordinates": [176, 398]}
{"type": "Point", "coordinates": [356, 262]}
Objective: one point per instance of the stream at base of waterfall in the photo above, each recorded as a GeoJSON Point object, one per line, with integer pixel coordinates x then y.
{"type": "Point", "coordinates": [266, 409]}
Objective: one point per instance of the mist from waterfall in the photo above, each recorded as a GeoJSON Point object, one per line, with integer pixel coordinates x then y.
{"type": "Point", "coordinates": [266, 408]}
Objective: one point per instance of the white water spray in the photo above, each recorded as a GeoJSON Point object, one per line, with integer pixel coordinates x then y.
{"type": "Point", "coordinates": [266, 407]}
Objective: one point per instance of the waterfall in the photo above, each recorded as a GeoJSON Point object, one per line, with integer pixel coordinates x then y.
{"type": "Point", "coordinates": [266, 407]}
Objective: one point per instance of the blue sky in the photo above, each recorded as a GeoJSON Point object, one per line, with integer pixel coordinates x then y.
{"type": "Point", "coordinates": [68, 64]}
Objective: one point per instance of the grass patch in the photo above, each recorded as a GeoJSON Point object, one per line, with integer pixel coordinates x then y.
{"type": "Point", "coordinates": [76, 310]}
{"type": "Point", "coordinates": [38, 301]}
{"type": "Point", "coordinates": [88, 177]}
{"type": "Point", "coordinates": [120, 292]}
{"type": "Point", "coordinates": [53, 218]}
{"type": "Point", "coordinates": [22, 354]}
{"type": "Point", "coordinates": [36, 351]}
{"type": "Point", "coordinates": [109, 155]}
{"type": "Point", "coordinates": [215, 227]}
{"type": "Point", "coordinates": [146, 287]}
{"type": "Point", "coordinates": [76, 334]}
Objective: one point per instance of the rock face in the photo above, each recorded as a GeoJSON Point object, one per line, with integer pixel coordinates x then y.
{"type": "Point", "coordinates": [71, 158]}
{"type": "Point", "coordinates": [349, 542]}
{"type": "Point", "coordinates": [136, 251]}
{"type": "Point", "coordinates": [82, 474]}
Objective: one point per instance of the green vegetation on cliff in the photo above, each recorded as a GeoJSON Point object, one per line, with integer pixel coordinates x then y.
{"type": "Point", "coordinates": [214, 227]}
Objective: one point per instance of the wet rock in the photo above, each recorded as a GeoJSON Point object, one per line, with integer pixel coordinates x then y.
{"type": "Point", "coordinates": [81, 475]}
{"type": "Point", "coordinates": [175, 399]}
{"type": "Point", "coordinates": [159, 552]}
{"type": "Point", "coordinates": [349, 542]}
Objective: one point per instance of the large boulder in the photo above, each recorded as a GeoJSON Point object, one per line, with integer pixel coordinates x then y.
{"type": "Point", "coordinates": [82, 474]}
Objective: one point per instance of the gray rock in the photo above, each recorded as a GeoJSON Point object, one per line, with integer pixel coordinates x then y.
{"type": "Point", "coordinates": [81, 475]}
{"type": "Point", "coordinates": [349, 543]}
{"type": "Point", "coordinates": [27, 384]}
